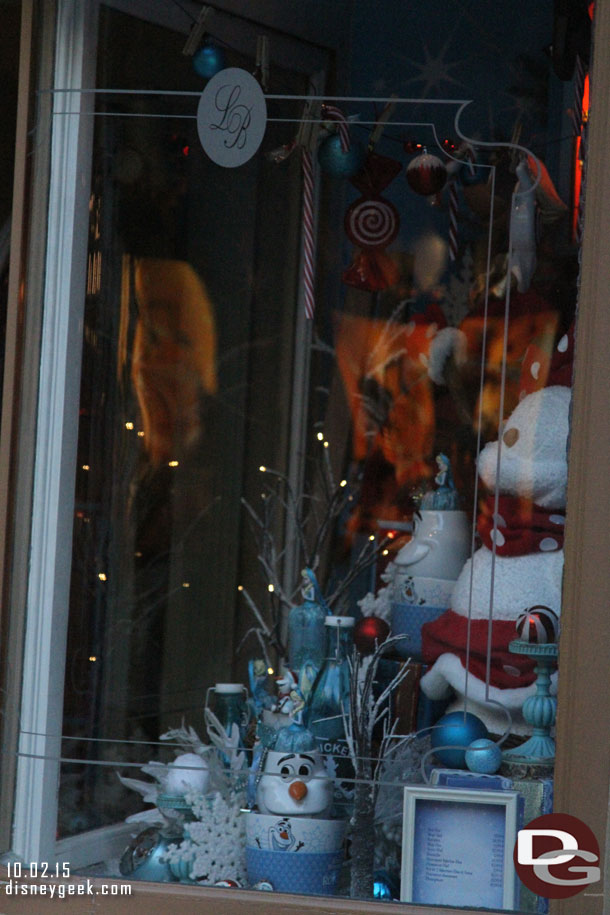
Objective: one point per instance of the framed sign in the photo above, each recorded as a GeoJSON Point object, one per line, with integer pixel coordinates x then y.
{"type": "Point", "coordinates": [457, 847]}
{"type": "Point", "coordinates": [231, 117]}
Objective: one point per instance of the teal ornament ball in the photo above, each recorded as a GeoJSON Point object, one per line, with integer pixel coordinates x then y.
{"type": "Point", "coordinates": [483, 756]}
{"type": "Point", "coordinates": [456, 731]}
{"type": "Point", "coordinates": [336, 163]}
{"type": "Point", "coordinates": [141, 859]}
{"type": "Point", "coordinates": [209, 60]}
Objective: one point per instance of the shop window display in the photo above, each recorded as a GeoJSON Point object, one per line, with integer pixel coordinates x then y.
{"type": "Point", "coordinates": [370, 597]}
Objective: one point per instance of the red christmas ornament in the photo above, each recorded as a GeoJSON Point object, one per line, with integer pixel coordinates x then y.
{"type": "Point", "coordinates": [370, 632]}
{"type": "Point", "coordinates": [426, 174]}
{"type": "Point", "coordinates": [538, 625]}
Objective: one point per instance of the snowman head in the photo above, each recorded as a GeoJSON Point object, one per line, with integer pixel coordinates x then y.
{"type": "Point", "coordinates": [534, 449]}
{"type": "Point", "coordinates": [295, 784]}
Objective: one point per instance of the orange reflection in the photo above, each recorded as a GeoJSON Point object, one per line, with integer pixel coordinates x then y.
{"type": "Point", "coordinates": [384, 366]}
{"type": "Point", "coordinates": [174, 355]}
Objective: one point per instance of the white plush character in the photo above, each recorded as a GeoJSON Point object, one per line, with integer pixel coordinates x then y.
{"type": "Point", "coordinates": [295, 784]}
{"type": "Point", "coordinates": [526, 534]}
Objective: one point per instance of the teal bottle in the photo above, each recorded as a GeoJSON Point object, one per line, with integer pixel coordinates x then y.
{"type": "Point", "coordinates": [306, 642]}
{"type": "Point", "coordinates": [307, 633]}
{"type": "Point", "coordinates": [230, 707]}
{"type": "Point", "coordinates": [328, 702]}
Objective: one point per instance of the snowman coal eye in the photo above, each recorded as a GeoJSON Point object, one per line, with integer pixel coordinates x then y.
{"type": "Point", "coordinates": [287, 771]}
{"type": "Point", "coordinates": [510, 437]}
{"type": "Point", "coordinates": [304, 769]}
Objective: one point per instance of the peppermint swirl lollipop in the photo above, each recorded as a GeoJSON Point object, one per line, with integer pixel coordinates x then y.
{"type": "Point", "coordinates": [372, 222]}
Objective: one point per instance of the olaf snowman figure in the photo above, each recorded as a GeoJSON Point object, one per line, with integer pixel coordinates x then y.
{"type": "Point", "coordinates": [294, 784]}
{"type": "Point", "coordinates": [521, 560]}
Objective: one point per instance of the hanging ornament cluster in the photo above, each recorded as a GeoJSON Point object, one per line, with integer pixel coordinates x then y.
{"type": "Point", "coordinates": [208, 58]}
{"type": "Point", "coordinates": [338, 155]}
{"type": "Point", "coordinates": [426, 174]}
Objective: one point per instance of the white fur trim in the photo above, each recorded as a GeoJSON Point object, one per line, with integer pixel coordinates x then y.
{"type": "Point", "coordinates": [448, 672]}
{"type": "Point", "coordinates": [519, 582]}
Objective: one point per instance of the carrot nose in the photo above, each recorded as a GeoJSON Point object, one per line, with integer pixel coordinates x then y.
{"type": "Point", "coordinates": [297, 790]}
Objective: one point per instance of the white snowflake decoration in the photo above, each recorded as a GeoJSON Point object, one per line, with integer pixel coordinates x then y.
{"type": "Point", "coordinates": [214, 845]}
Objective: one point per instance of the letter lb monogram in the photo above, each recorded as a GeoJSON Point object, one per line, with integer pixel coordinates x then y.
{"type": "Point", "coordinates": [235, 118]}
{"type": "Point", "coordinates": [231, 117]}
{"type": "Point", "coordinates": [556, 856]}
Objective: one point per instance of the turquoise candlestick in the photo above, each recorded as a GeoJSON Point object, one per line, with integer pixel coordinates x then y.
{"type": "Point", "coordinates": [539, 710]}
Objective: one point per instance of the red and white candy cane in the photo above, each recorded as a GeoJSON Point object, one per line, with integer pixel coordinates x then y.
{"type": "Point", "coordinates": [309, 248]}
{"type": "Point", "coordinates": [332, 113]}
{"type": "Point", "coordinates": [453, 226]}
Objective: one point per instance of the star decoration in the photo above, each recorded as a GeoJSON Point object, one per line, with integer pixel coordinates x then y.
{"type": "Point", "coordinates": [434, 70]}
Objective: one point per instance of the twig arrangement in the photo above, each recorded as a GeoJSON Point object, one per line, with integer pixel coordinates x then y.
{"type": "Point", "coordinates": [365, 714]}
{"type": "Point", "coordinates": [310, 520]}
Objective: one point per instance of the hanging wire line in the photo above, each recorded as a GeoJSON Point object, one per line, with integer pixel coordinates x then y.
{"type": "Point", "coordinates": [269, 96]}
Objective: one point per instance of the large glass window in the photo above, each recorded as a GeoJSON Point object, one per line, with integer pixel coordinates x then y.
{"type": "Point", "coordinates": [258, 489]}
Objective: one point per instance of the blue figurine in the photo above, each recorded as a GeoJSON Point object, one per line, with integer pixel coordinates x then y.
{"type": "Point", "coordinates": [445, 497]}
{"type": "Point", "coordinates": [259, 678]}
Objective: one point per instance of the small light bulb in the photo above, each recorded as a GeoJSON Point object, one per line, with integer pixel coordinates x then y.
{"type": "Point", "coordinates": [102, 576]}
{"type": "Point", "coordinates": [92, 657]}
{"type": "Point", "coordinates": [262, 468]}
{"type": "Point", "coordinates": [129, 425]}
{"type": "Point", "coordinates": [240, 587]}
{"type": "Point", "coordinates": [320, 436]}
{"type": "Point", "coordinates": [372, 537]}
{"type": "Point", "coordinates": [186, 584]}
{"type": "Point", "coordinates": [270, 588]}
{"type": "Point", "coordinates": [270, 671]}
{"type": "Point", "coordinates": [173, 463]}
{"type": "Point", "coordinates": [385, 552]}
{"type": "Point", "coordinates": [140, 433]}
{"type": "Point", "coordinates": [86, 467]}
{"type": "Point", "coordinates": [326, 444]}
{"type": "Point", "coordinates": [343, 483]}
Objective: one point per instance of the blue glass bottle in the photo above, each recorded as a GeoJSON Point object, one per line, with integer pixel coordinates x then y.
{"type": "Point", "coordinates": [306, 637]}
{"type": "Point", "coordinates": [329, 701]}
{"type": "Point", "coordinates": [230, 707]}
{"type": "Point", "coordinates": [307, 633]}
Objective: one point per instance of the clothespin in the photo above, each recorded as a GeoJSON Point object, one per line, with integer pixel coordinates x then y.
{"type": "Point", "coordinates": [261, 69]}
{"type": "Point", "coordinates": [309, 128]}
{"type": "Point", "coordinates": [384, 117]}
{"type": "Point", "coordinates": [307, 134]}
{"type": "Point", "coordinates": [198, 30]}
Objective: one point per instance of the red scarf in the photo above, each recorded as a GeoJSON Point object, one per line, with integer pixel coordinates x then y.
{"type": "Point", "coordinates": [522, 527]}
{"type": "Point", "coordinates": [448, 634]}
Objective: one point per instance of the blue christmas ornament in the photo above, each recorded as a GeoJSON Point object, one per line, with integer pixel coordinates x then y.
{"type": "Point", "coordinates": [483, 756]}
{"type": "Point", "coordinates": [209, 60]}
{"type": "Point", "coordinates": [385, 886]}
{"type": "Point", "coordinates": [337, 163]}
{"type": "Point", "coordinates": [456, 731]}
{"type": "Point", "coordinates": [141, 859]}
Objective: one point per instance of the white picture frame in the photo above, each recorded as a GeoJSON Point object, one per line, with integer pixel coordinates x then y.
{"type": "Point", "coordinates": [457, 847]}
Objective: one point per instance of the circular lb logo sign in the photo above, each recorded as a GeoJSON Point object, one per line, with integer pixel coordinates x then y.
{"type": "Point", "coordinates": [557, 856]}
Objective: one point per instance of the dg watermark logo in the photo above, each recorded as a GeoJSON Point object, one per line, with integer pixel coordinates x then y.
{"type": "Point", "coordinates": [557, 856]}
